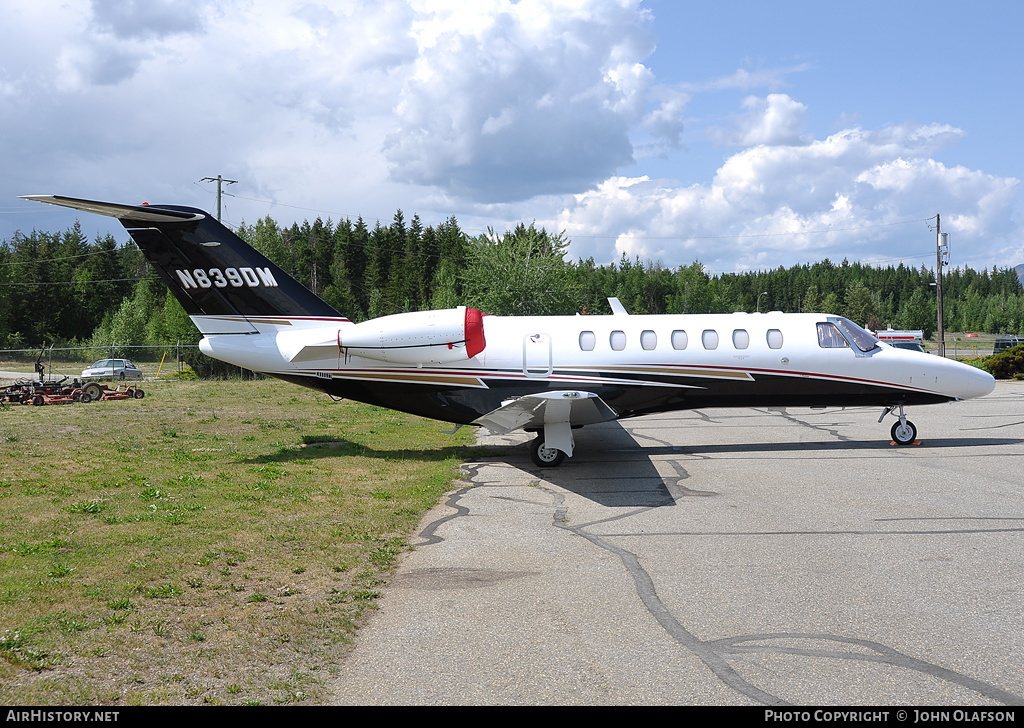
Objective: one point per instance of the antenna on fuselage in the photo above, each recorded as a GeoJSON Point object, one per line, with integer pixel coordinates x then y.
{"type": "Point", "coordinates": [617, 308]}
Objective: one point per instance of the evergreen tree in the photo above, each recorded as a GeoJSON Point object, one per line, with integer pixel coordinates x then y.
{"type": "Point", "coordinates": [918, 312]}
{"type": "Point", "coordinates": [812, 302]}
{"type": "Point", "coordinates": [521, 273]}
{"type": "Point", "coordinates": [860, 307]}
{"type": "Point", "coordinates": [691, 293]}
{"type": "Point", "coordinates": [265, 236]}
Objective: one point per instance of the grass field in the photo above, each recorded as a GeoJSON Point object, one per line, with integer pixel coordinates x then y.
{"type": "Point", "coordinates": [215, 542]}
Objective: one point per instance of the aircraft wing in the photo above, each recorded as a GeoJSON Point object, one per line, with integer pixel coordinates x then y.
{"type": "Point", "coordinates": [554, 412]}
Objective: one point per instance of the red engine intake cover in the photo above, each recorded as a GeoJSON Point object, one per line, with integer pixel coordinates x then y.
{"type": "Point", "coordinates": [474, 332]}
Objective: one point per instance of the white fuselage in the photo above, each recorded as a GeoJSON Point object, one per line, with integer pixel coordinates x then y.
{"type": "Point", "coordinates": [548, 374]}
{"type": "Point", "coordinates": [692, 358]}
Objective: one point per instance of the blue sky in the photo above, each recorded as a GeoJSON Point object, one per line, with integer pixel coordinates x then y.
{"type": "Point", "coordinates": [875, 64]}
{"type": "Point", "coordinates": [745, 135]}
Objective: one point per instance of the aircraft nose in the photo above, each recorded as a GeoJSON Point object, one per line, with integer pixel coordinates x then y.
{"type": "Point", "coordinates": [976, 383]}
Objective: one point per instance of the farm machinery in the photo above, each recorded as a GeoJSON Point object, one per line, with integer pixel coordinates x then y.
{"type": "Point", "coordinates": [42, 390]}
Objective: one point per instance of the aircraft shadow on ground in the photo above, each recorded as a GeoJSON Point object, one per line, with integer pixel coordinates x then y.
{"type": "Point", "coordinates": [612, 468]}
{"type": "Point", "coordinates": [830, 446]}
{"type": "Point", "coordinates": [608, 468]}
{"type": "Point", "coordinates": [339, 447]}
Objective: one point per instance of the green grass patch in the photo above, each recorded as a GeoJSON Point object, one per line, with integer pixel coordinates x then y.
{"type": "Point", "coordinates": [214, 536]}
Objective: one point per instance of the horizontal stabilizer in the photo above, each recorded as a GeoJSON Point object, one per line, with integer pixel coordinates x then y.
{"type": "Point", "coordinates": [219, 279]}
{"type": "Point", "coordinates": [139, 213]}
{"type": "Point", "coordinates": [535, 410]}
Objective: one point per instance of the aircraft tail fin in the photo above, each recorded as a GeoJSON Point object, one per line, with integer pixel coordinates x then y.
{"type": "Point", "coordinates": [209, 269]}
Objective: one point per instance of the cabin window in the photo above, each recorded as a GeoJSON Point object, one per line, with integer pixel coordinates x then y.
{"type": "Point", "coordinates": [740, 339]}
{"type": "Point", "coordinates": [617, 340]}
{"type": "Point", "coordinates": [830, 338]}
{"type": "Point", "coordinates": [587, 340]}
{"type": "Point", "coordinates": [709, 339]}
{"type": "Point", "coordinates": [679, 340]}
{"type": "Point", "coordinates": [774, 339]}
{"type": "Point", "coordinates": [649, 340]}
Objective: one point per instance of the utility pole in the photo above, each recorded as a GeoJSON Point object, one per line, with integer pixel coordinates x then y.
{"type": "Point", "coordinates": [941, 249]}
{"type": "Point", "coordinates": [219, 180]}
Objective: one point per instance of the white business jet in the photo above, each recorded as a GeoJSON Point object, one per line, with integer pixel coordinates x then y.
{"type": "Point", "coordinates": [544, 374]}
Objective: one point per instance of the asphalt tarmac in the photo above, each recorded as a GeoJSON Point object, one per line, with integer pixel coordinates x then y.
{"type": "Point", "coordinates": [720, 557]}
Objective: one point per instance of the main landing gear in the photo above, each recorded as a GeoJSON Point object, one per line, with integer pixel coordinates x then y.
{"type": "Point", "coordinates": [543, 456]}
{"type": "Point", "coordinates": [903, 432]}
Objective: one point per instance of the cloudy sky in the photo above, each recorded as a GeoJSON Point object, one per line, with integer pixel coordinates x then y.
{"type": "Point", "coordinates": [746, 135]}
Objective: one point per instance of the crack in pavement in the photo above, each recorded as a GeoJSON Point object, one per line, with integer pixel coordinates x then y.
{"type": "Point", "coordinates": [714, 654]}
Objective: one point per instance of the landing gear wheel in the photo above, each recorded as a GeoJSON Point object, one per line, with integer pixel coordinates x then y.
{"type": "Point", "coordinates": [904, 434]}
{"type": "Point", "coordinates": [545, 457]}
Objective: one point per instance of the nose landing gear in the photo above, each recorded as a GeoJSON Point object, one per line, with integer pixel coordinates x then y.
{"type": "Point", "coordinates": [903, 432]}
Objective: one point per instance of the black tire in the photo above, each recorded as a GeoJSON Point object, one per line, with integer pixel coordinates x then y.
{"type": "Point", "coordinates": [139, 394]}
{"type": "Point", "coordinates": [545, 457]}
{"type": "Point", "coordinates": [94, 391]}
{"type": "Point", "coordinates": [904, 434]}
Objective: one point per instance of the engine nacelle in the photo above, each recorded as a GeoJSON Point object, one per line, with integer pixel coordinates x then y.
{"type": "Point", "coordinates": [417, 337]}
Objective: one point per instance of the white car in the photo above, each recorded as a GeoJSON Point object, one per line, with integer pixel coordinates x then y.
{"type": "Point", "coordinates": [112, 369]}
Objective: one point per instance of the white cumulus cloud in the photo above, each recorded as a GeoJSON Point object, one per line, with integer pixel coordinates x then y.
{"type": "Point", "coordinates": [771, 205]}
{"type": "Point", "coordinates": [776, 119]}
{"type": "Point", "coordinates": [495, 111]}
{"type": "Point", "coordinates": [513, 100]}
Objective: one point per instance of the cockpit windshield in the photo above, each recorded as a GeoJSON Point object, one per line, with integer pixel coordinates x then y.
{"type": "Point", "coordinates": [857, 336]}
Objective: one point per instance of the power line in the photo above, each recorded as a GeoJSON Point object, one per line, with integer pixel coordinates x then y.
{"type": "Point", "coordinates": [682, 236]}
{"type": "Point", "coordinates": [742, 235]}
{"type": "Point", "coordinates": [66, 257]}
{"type": "Point", "coordinates": [220, 181]}
{"type": "Point", "coordinates": [75, 283]}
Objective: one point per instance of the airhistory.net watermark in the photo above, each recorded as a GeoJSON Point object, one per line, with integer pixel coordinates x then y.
{"type": "Point", "coordinates": [61, 716]}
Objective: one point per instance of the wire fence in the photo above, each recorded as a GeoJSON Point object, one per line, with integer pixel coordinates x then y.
{"type": "Point", "coordinates": [155, 362]}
